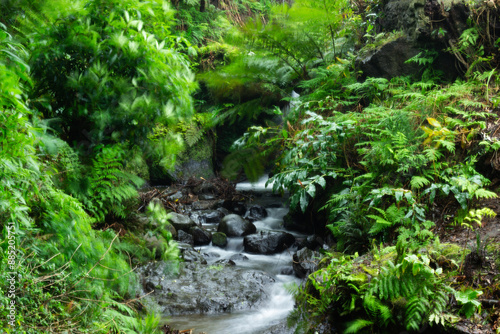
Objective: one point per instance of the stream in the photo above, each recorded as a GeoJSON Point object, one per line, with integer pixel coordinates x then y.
{"type": "Point", "coordinates": [270, 316]}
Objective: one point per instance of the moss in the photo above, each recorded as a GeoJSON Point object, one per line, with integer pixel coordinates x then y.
{"type": "Point", "coordinates": [200, 151]}
{"type": "Point", "coordinates": [379, 41]}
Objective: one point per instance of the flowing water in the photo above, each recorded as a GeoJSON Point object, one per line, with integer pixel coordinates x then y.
{"type": "Point", "coordinates": [275, 309]}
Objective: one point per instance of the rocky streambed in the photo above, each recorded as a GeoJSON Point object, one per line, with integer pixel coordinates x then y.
{"type": "Point", "coordinates": [237, 262]}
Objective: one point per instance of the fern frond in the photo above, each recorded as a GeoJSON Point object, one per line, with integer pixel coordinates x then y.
{"type": "Point", "coordinates": [357, 325]}
{"type": "Point", "coordinates": [418, 182]}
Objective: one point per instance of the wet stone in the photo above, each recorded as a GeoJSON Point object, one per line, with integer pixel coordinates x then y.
{"type": "Point", "coordinates": [205, 289]}
{"type": "Point", "coordinates": [185, 237]}
{"type": "Point", "coordinates": [235, 226]}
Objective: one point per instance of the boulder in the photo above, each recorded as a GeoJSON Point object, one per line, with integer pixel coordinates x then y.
{"type": "Point", "coordinates": [196, 161]}
{"type": "Point", "coordinates": [200, 236]}
{"type": "Point", "coordinates": [212, 216]}
{"type": "Point", "coordinates": [185, 238]}
{"type": "Point", "coordinates": [170, 228]}
{"type": "Point", "coordinates": [219, 239]}
{"type": "Point", "coordinates": [190, 255]}
{"type": "Point", "coordinates": [235, 207]}
{"type": "Point", "coordinates": [389, 60]}
{"type": "Point", "coordinates": [239, 257]}
{"type": "Point", "coordinates": [180, 222]}
{"type": "Point", "coordinates": [305, 261]}
{"type": "Point", "coordinates": [312, 242]}
{"type": "Point", "coordinates": [235, 226]}
{"type": "Point", "coordinates": [421, 22]}
{"type": "Point", "coordinates": [268, 242]}
{"type": "Point", "coordinates": [204, 289]}
{"type": "Point", "coordinates": [255, 212]}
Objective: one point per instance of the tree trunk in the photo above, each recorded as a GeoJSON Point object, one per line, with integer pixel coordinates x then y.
{"type": "Point", "coordinates": [202, 6]}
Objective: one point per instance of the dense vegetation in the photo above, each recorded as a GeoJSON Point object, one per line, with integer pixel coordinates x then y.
{"type": "Point", "coordinates": [96, 95]}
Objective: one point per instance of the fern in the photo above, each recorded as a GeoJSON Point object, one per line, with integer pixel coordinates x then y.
{"type": "Point", "coordinates": [418, 182]}
{"type": "Point", "coordinates": [110, 185]}
{"type": "Point", "coordinates": [193, 134]}
{"type": "Point", "coordinates": [357, 325]}
{"type": "Point", "coordinates": [412, 279]}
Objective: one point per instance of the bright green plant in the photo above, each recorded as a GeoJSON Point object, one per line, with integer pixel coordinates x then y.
{"type": "Point", "coordinates": [109, 75]}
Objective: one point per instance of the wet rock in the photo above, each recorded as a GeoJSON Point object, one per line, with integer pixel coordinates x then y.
{"type": "Point", "coordinates": [235, 226]}
{"type": "Point", "coordinates": [255, 212]}
{"type": "Point", "coordinates": [213, 216]}
{"type": "Point", "coordinates": [181, 222]}
{"type": "Point", "coordinates": [203, 289]}
{"type": "Point", "coordinates": [225, 262]}
{"type": "Point", "coordinates": [196, 162]}
{"type": "Point", "coordinates": [235, 207]}
{"type": "Point", "coordinates": [198, 217]}
{"type": "Point", "coordinates": [219, 239]}
{"type": "Point", "coordinates": [200, 236]}
{"type": "Point", "coordinates": [190, 255]}
{"type": "Point", "coordinates": [239, 257]}
{"type": "Point", "coordinates": [268, 242]}
{"type": "Point", "coordinates": [224, 211]}
{"type": "Point", "coordinates": [170, 228]}
{"type": "Point", "coordinates": [389, 60]}
{"type": "Point", "coordinates": [305, 261]}
{"type": "Point", "coordinates": [185, 237]}
{"type": "Point", "coordinates": [287, 271]}
{"type": "Point", "coordinates": [211, 256]}
{"type": "Point", "coordinates": [312, 242]}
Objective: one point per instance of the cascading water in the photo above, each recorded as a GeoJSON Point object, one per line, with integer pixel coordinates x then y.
{"type": "Point", "coordinates": [275, 309]}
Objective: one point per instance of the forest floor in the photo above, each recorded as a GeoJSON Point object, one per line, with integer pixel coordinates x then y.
{"type": "Point", "coordinates": [480, 269]}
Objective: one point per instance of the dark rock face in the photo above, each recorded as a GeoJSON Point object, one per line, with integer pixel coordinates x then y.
{"type": "Point", "coordinates": [235, 206]}
{"type": "Point", "coordinates": [389, 61]}
{"type": "Point", "coordinates": [305, 261]}
{"type": "Point", "coordinates": [200, 236]}
{"type": "Point", "coordinates": [202, 289]}
{"type": "Point", "coordinates": [312, 242]}
{"type": "Point", "coordinates": [421, 22]}
{"type": "Point", "coordinates": [255, 212]}
{"type": "Point", "coordinates": [268, 242]}
{"type": "Point", "coordinates": [185, 238]}
{"type": "Point", "coordinates": [234, 226]}
{"type": "Point", "coordinates": [219, 239]}
{"type": "Point", "coordinates": [181, 222]}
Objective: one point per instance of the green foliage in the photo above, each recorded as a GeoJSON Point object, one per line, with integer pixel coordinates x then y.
{"type": "Point", "coordinates": [110, 186]}
{"type": "Point", "coordinates": [157, 212]}
{"type": "Point", "coordinates": [111, 72]}
{"type": "Point", "coordinates": [468, 300]}
{"type": "Point", "coordinates": [66, 273]}
{"type": "Point", "coordinates": [404, 292]}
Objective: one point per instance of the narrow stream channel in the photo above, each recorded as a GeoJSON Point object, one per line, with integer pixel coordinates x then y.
{"type": "Point", "coordinates": [274, 310]}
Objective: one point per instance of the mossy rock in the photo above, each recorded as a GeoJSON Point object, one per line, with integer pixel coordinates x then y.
{"type": "Point", "coordinates": [195, 161]}
{"type": "Point", "coordinates": [219, 239]}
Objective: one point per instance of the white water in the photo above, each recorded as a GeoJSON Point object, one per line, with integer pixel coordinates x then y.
{"type": "Point", "coordinates": [259, 186]}
{"type": "Point", "coordinates": [271, 312]}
